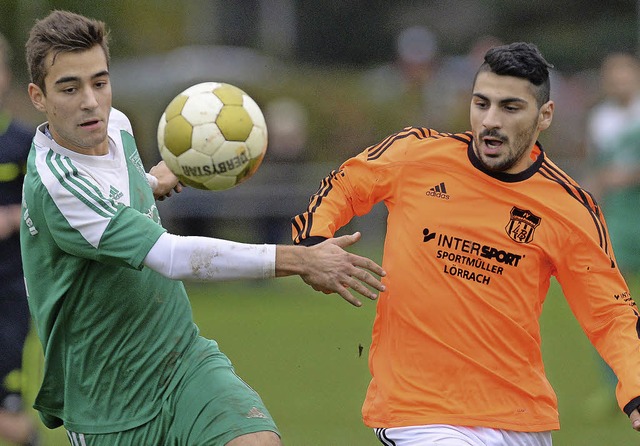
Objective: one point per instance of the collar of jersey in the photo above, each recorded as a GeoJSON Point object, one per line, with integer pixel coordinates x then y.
{"type": "Point", "coordinates": [45, 141]}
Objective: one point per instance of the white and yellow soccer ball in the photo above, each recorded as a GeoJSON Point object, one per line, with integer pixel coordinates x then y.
{"type": "Point", "coordinates": [212, 136]}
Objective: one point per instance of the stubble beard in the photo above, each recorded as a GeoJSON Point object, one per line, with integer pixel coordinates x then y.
{"type": "Point", "coordinates": [520, 148]}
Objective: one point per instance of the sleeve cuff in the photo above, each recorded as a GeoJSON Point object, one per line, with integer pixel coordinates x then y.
{"type": "Point", "coordinates": [153, 181]}
{"type": "Point", "coordinates": [310, 241]}
{"type": "Point", "coordinates": [632, 405]}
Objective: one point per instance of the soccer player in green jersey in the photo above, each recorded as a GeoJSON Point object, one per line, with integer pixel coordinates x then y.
{"type": "Point", "coordinates": [124, 363]}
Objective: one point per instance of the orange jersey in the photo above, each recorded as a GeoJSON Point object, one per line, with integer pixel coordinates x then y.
{"type": "Point", "coordinates": [469, 255]}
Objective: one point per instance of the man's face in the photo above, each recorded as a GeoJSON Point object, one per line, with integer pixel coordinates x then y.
{"type": "Point", "coordinates": [506, 121]}
{"type": "Point", "coordinates": [78, 100]}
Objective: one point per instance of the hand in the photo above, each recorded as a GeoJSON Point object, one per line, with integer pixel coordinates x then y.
{"type": "Point", "coordinates": [10, 217]}
{"type": "Point", "coordinates": [635, 419]}
{"type": "Point", "coordinates": [167, 181]}
{"type": "Point", "coordinates": [334, 270]}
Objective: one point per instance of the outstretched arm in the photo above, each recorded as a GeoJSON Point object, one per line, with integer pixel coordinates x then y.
{"type": "Point", "coordinates": [326, 267]}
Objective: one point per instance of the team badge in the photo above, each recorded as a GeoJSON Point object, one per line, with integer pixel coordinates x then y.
{"type": "Point", "coordinates": [522, 225]}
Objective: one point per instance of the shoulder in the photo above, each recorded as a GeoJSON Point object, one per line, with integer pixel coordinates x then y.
{"type": "Point", "coordinates": [419, 143]}
{"type": "Point", "coordinates": [568, 188]}
{"type": "Point", "coordinates": [118, 121]}
{"type": "Point", "coordinates": [570, 202]}
{"type": "Point", "coordinates": [50, 168]}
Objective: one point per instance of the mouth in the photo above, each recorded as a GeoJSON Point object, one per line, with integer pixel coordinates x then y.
{"type": "Point", "coordinates": [90, 123]}
{"type": "Point", "coordinates": [492, 145]}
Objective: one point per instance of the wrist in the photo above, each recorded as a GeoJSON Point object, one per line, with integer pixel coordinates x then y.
{"type": "Point", "coordinates": [290, 260]}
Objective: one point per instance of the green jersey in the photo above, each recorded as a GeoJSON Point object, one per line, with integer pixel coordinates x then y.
{"type": "Point", "coordinates": [112, 330]}
{"type": "Point", "coordinates": [620, 204]}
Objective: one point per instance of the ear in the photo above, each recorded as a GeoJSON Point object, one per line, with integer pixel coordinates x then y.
{"type": "Point", "coordinates": [37, 96]}
{"type": "Point", "coordinates": [546, 115]}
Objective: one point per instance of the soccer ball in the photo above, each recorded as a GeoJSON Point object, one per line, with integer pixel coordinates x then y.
{"type": "Point", "coordinates": [212, 136]}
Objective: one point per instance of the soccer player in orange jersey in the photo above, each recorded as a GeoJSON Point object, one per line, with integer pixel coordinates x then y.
{"type": "Point", "coordinates": [478, 223]}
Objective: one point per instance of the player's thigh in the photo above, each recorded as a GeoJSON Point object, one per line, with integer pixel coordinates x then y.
{"type": "Point", "coordinates": [213, 406]}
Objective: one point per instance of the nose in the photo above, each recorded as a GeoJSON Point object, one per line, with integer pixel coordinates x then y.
{"type": "Point", "coordinates": [89, 100]}
{"type": "Point", "coordinates": [491, 118]}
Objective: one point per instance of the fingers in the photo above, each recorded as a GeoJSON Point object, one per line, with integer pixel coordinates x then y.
{"type": "Point", "coordinates": [346, 295]}
{"type": "Point", "coordinates": [359, 288]}
{"type": "Point", "coordinates": [346, 240]}
{"type": "Point", "coordinates": [338, 271]}
{"type": "Point", "coordinates": [635, 419]}
{"type": "Point", "coordinates": [366, 263]}
{"type": "Point", "coordinates": [356, 280]}
{"type": "Point", "coordinates": [365, 277]}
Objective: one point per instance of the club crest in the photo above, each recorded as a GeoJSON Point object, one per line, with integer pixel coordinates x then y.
{"type": "Point", "coordinates": [522, 225]}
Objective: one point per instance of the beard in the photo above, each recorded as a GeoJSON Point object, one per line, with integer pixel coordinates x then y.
{"type": "Point", "coordinates": [517, 148]}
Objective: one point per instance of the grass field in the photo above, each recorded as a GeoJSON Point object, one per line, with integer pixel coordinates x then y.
{"type": "Point", "coordinates": [300, 350]}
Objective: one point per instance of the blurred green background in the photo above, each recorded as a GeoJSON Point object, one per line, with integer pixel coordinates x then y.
{"type": "Point", "coordinates": [300, 350]}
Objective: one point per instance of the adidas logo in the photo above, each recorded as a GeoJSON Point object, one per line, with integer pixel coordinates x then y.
{"type": "Point", "coordinates": [438, 191]}
{"type": "Point", "coordinates": [255, 413]}
{"type": "Point", "coordinates": [115, 194]}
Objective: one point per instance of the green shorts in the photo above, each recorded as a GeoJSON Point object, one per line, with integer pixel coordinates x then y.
{"type": "Point", "coordinates": [210, 406]}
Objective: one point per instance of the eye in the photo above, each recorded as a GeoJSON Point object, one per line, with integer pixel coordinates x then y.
{"type": "Point", "coordinates": [481, 104]}
{"type": "Point", "coordinates": [69, 90]}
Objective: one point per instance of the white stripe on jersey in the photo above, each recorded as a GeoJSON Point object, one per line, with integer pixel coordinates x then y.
{"type": "Point", "coordinates": [78, 185]}
{"type": "Point", "coordinates": [77, 181]}
{"type": "Point", "coordinates": [71, 439]}
{"type": "Point", "coordinates": [76, 439]}
{"type": "Point", "coordinates": [72, 202]}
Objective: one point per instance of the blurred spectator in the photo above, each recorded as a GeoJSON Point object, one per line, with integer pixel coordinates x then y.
{"type": "Point", "coordinates": [16, 424]}
{"type": "Point", "coordinates": [287, 123]}
{"type": "Point", "coordinates": [403, 90]}
{"type": "Point", "coordinates": [454, 79]}
{"type": "Point", "coordinates": [613, 135]}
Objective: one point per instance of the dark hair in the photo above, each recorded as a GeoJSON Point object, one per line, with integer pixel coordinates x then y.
{"type": "Point", "coordinates": [62, 31]}
{"type": "Point", "coordinates": [522, 60]}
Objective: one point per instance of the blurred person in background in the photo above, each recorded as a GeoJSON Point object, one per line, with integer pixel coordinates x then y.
{"type": "Point", "coordinates": [453, 81]}
{"type": "Point", "coordinates": [288, 121]}
{"type": "Point", "coordinates": [479, 222]}
{"type": "Point", "coordinates": [613, 141]}
{"type": "Point", "coordinates": [16, 424]}
{"type": "Point", "coordinates": [405, 85]}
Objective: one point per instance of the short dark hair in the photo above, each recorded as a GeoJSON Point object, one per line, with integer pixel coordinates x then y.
{"type": "Point", "coordinates": [62, 31]}
{"type": "Point", "coordinates": [522, 60]}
